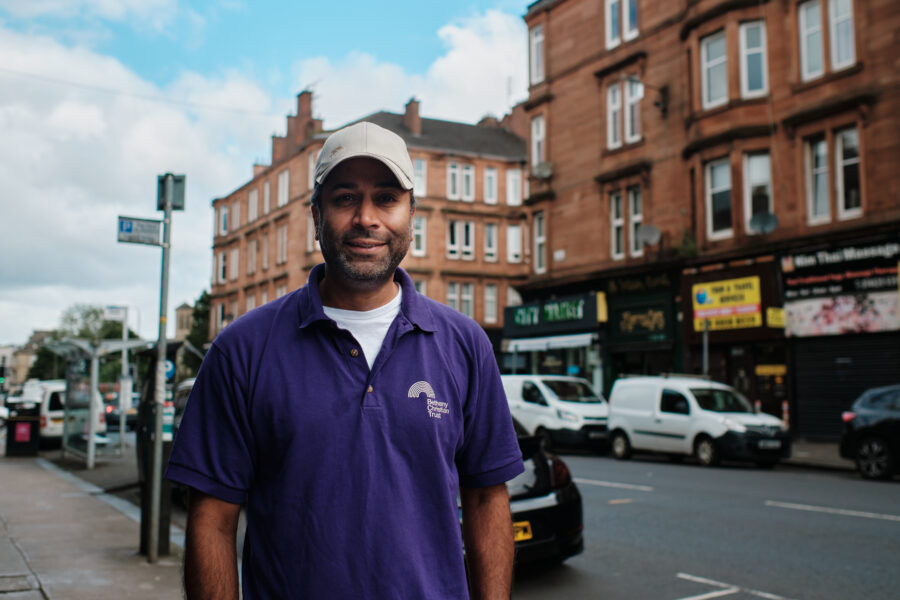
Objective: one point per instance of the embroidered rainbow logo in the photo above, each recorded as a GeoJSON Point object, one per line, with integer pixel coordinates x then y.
{"type": "Point", "coordinates": [419, 388]}
{"type": "Point", "coordinates": [435, 409]}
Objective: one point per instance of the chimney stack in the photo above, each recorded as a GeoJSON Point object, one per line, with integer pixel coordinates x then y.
{"type": "Point", "coordinates": [411, 119]}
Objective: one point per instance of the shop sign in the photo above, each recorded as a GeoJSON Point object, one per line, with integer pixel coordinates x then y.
{"type": "Point", "coordinates": [842, 290]}
{"type": "Point", "coordinates": [640, 323]}
{"type": "Point", "coordinates": [775, 317]}
{"type": "Point", "coordinates": [771, 370]}
{"type": "Point", "coordinates": [574, 313]}
{"type": "Point", "coordinates": [727, 304]}
{"type": "Point", "coordinates": [635, 285]}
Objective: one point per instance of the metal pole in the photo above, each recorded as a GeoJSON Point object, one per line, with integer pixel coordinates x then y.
{"type": "Point", "coordinates": [706, 346]}
{"type": "Point", "coordinates": [123, 402]}
{"type": "Point", "coordinates": [93, 409]}
{"type": "Point", "coordinates": [160, 383]}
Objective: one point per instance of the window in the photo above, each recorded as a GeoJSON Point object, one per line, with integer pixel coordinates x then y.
{"type": "Point", "coordinates": [420, 286]}
{"type": "Point", "coordinates": [630, 17]}
{"type": "Point", "coordinates": [281, 245]}
{"type": "Point", "coordinates": [251, 256]}
{"type": "Point", "coordinates": [235, 260]}
{"type": "Point", "coordinates": [613, 20]}
{"type": "Point", "coordinates": [490, 303]}
{"type": "Point", "coordinates": [537, 141]}
{"type": "Point", "coordinates": [634, 93]}
{"type": "Point", "coordinates": [453, 183]}
{"type": "Point", "coordinates": [718, 199]}
{"type": "Point", "coordinates": [810, 23]}
{"type": "Point", "coordinates": [840, 17]}
{"type": "Point", "coordinates": [220, 316]}
{"type": "Point", "coordinates": [284, 181]}
{"type": "Point", "coordinates": [468, 189]}
{"type": "Point", "coordinates": [311, 168]}
{"type": "Point", "coordinates": [251, 301]}
{"type": "Point", "coordinates": [540, 243]}
{"type": "Point", "coordinates": [490, 185]}
{"type": "Point", "coordinates": [490, 241]}
{"type": "Point", "coordinates": [263, 297]}
{"type": "Point", "coordinates": [460, 239]}
{"type": "Point", "coordinates": [223, 266]}
{"type": "Point", "coordinates": [467, 300]}
{"type": "Point", "coordinates": [757, 187]}
{"type": "Point", "coordinates": [252, 205]}
{"type": "Point", "coordinates": [453, 295]}
{"type": "Point", "coordinates": [532, 395]}
{"type": "Point", "coordinates": [714, 70]}
{"type": "Point", "coordinates": [754, 79]}
{"type": "Point", "coordinates": [817, 203]}
{"type": "Point", "coordinates": [266, 197]}
{"type": "Point", "coordinates": [265, 251]}
{"type": "Point", "coordinates": [236, 215]}
{"type": "Point", "coordinates": [536, 48]}
{"type": "Point", "coordinates": [280, 290]}
{"type": "Point", "coordinates": [418, 236]}
{"type": "Point", "coordinates": [514, 187]}
{"type": "Point", "coordinates": [223, 220]}
{"type": "Point", "coordinates": [674, 402]}
{"type": "Point", "coordinates": [420, 169]}
{"type": "Point", "coordinates": [312, 244]}
{"type": "Point", "coordinates": [613, 116]}
{"type": "Point", "coordinates": [514, 243]}
{"type": "Point", "coordinates": [617, 225]}
{"type": "Point", "coordinates": [847, 186]}
{"type": "Point", "coordinates": [635, 219]}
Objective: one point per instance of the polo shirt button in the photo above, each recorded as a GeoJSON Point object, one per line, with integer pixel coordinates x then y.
{"type": "Point", "coordinates": [371, 389]}
{"type": "Point", "coordinates": [354, 353]}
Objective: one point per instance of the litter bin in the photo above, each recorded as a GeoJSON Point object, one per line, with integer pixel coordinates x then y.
{"type": "Point", "coordinates": [23, 429]}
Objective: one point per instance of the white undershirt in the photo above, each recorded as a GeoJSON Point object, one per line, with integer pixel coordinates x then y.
{"type": "Point", "coordinates": [369, 326]}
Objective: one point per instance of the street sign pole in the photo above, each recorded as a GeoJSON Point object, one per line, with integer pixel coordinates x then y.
{"type": "Point", "coordinates": [160, 385]}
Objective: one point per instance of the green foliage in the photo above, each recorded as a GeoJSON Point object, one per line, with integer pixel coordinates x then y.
{"type": "Point", "coordinates": [47, 365]}
{"type": "Point", "coordinates": [199, 334]}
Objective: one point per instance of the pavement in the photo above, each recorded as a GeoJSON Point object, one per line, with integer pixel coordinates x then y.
{"type": "Point", "coordinates": [65, 534]}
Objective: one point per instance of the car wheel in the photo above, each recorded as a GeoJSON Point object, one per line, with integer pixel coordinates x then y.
{"type": "Point", "coordinates": [544, 436]}
{"type": "Point", "coordinates": [873, 458]}
{"type": "Point", "coordinates": [705, 451]}
{"type": "Point", "coordinates": [621, 448]}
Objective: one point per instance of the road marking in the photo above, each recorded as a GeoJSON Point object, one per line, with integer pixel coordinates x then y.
{"type": "Point", "coordinates": [729, 589]}
{"type": "Point", "coordinates": [622, 501]}
{"type": "Point", "coordinates": [612, 484]}
{"type": "Point", "coordinates": [833, 511]}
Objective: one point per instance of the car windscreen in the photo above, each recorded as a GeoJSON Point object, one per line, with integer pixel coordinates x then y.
{"type": "Point", "coordinates": [572, 391]}
{"type": "Point", "coordinates": [719, 400]}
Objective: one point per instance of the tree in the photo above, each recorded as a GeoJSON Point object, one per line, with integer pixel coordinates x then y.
{"type": "Point", "coordinates": [199, 334]}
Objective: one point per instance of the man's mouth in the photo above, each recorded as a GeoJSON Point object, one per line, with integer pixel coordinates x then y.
{"type": "Point", "coordinates": [364, 244]}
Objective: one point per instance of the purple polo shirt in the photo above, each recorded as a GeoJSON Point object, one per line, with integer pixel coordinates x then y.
{"type": "Point", "coordinates": [349, 476]}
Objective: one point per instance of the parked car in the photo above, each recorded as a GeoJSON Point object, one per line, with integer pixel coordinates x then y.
{"type": "Point", "coordinates": [683, 416]}
{"type": "Point", "coordinates": [51, 394]}
{"type": "Point", "coordinates": [559, 409]}
{"type": "Point", "coordinates": [131, 413]}
{"type": "Point", "coordinates": [871, 435]}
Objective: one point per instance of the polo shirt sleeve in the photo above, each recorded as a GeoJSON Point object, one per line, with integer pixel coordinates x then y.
{"type": "Point", "coordinates": [490, 452]}
{"type": "Point", "coordinates": [213, 450]}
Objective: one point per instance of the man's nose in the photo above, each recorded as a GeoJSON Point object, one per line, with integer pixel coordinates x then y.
{"type": "Point", "coordinates": [366, 213]}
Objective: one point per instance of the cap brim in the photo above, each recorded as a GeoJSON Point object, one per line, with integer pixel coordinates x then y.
{"type": "Point", "coordinates": [402, 179]}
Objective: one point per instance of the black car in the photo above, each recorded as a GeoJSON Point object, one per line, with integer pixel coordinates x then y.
{"type": "Point", "coordinates": [871, 434]}
{"type": "Point", "coordinates": [545, 504]}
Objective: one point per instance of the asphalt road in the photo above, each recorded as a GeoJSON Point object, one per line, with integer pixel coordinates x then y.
{"type": "Point", "coordinates": [658, 530]}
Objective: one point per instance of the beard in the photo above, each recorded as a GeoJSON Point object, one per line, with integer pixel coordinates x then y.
{"type": "Point", "coordinates": [363, 270]}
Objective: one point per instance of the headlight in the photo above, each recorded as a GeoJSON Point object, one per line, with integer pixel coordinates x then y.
{"type": "Point", "coordinates": [567, 416]}
{"type": "Point", "coordinates": [733, 425]}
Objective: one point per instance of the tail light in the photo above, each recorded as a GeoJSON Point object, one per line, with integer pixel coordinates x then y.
{"type": "Point", "coordinates": [43, 421]}
{"type": "Point", "coordinates": [109, 408]}
{"type": "Point", "coordinates": [559, 474]}
{"type": "Point", "coordinates": [847, 416]}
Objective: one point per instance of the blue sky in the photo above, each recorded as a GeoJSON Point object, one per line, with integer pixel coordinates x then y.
{"type": "Point", "coordinates": [97, 97]}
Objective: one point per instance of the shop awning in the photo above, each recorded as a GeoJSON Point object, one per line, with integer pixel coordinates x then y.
{"type": "Point", "coordinates": [576, 340]}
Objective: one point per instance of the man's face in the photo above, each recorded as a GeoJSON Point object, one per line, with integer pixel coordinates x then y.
{"type": "Point", "coordinates": [364, 221]}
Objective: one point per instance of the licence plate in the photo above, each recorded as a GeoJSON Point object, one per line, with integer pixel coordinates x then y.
{"type": "Point", "coordinates": [769, 444]}
{"type": "Point", "coordinates": [593, 435]}
{"type": "Point", "coordinates": [56, 420]}
{"type": "Point", "coordinates": [522, 531]}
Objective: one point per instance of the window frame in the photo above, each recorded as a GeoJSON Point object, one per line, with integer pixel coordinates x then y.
{"type": "Point", "coordinates": [235, 215]}
{"type": "Point", "coordinates": [632, 100]}
{"type": "Point", "coordinates": [454, 181]}
{"type": "Point", "coordinates": [265, 251]}
{"type": "Point", "coordinates": [284, 184]}
{"type": "Point", "coordinates": [467, 297]}
{"type": "Point", "coordinates": [708, 201]}
{"type": "Point", "coordinates": [516, 257]}
{"type": "Point", "coordinates": [613, 12]}
{"type": "Point", "coordinates": [839, 164]}
{"type": "Point", "coordinates": [613, 116]}
{"type": "Point", "coordinates": [540, 242]}
{"type": "Point", "coordinates": [745, 53]}
{"type": "Point", "coordinates": [635, 219]}
{"type": "Point", "coordinates": [453, 295]}
{"type": "Point", "coordinates": [281, 245]}
{"type": "Point", "coordinates": [252, 205]}
{"type": "Point", "coordinates": [812, 218]}
{"type": "Point", "coordinates": [707, 65]}
{"type": "Point", "coordinates": [234, 266]}
{"type": "Point", "coordinates": [311, 169]}
{"type": "Point", "coordinates": [252, 250]}
{"type": "Point", "coordinates": [491, 302]}
{"type": "Point", "coordinates": [833, 37]}
{"type": "Point", "coordinates": [491, 185]}
{"type": "Point", "coordinates": [748, 188]}
{"type": "Point", "coordinates": [804, 32]}
{"type": "Point", "coordinates": [223, 220]}
{"type": "Point", "coordinates": [468, 183]}
{"type": "Point", "coordinates": [420, 182]}
{"type": "Point", "coordinates": [536, 71]}
{"type": "Point", "coordinates": [514, 187]}
{"type": "Point", "coordinates": [223, 268]}
{"type": "Point", "coordinates": [491, 250]}
{"type": "Point", "coordinates": [616, 223]}
{"type": "Point", "coordinates": [419, 245]}
{"type": "Point", "coordinates": [267, 197]}
{"type": "Point", "coordinates": [630, 30]}
{"type": "Point", "coordinates": [538, 141]}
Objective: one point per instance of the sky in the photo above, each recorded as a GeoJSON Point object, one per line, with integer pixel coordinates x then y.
{"type": "Point", "coordinates": [98, 97]}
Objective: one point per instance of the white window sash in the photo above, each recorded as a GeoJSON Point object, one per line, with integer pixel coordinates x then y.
{"type": "Point", "coordinates": [235, 266]}
{"type": "Point", "coordinates": [421, 173]}
{"type": "Point", "coordinates": [809, 152]}
{"type": "Point", "coordinates": [726, 232]}
{"type": "Point", "coordinates": [537, 141]}
{"type": "Point", "coordinates": [235, 215]}
{"type": "Point", "coordinates": [490, 185]}
{"type": "Point", "coordinates": [613, 21]}
{"type": "Point", "coordinates": [706, 68]}
{"type": "Point", "coordinates": [252, 205]}
{"type": "Point", "coordinates": [746, 92]}
{"type": "Point", "coordinates": [491, 231]}
{"type": "Point", "coordinates": [467, 300]}
{"type": "Point", "coordinates": [453, 295]}
{"type": "Point", "coordinates": [453, 181]}
{"type": "Point", "coordinates": [490, 303]}
{"type": "Point", "coordinates": [284, 182]}
{"type": "Point", "coordinates": [467, 239]}
{"type": "Point", "coordinates": [453, 239]}
{"type": "Point", "coordinates": [267, 196]}
{"type": "Point", "coordinates": [840, 163]}
{"type": "Point", "coordinates": [617, 225]}
{"type": "Point", "coordinates": [750, 183]}
{"type": "Point", "coordinates": [468, 179]}
{"type": "Point", "coordinates": [265, 252]}
{"type": "Point", "coordinates": [630, 29]}
{"type": "Point", "coordinates": [223, 267]}
{"type": "Point", "coordinates": [807, 31]}
{"type": "Point", "coordinates": [513, 187]}
{"type": "Point", "coordinates": [514, 244]}
{"type": "Point", "coordinates": [536, 48]}
{"type": "Point", "coordinates": [835, 22]}
{"type": "Point", "coordinates": [613, 116]}
{"type": "Point", "coordinates": [635, 219]}
{"type": "Point", "coordinates": [540, 243]}
{"type": "Point", "coordinates": [634, 93]}
{"type": "Point", "coordinates": [419, 244]}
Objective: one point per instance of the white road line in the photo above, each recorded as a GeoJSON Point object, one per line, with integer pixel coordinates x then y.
{"type": "Point", "coordinates": [612, 484]}
{"type": "Point", "coordinates": [729, 590]}
{"type": "Point", "coordinates": [833, 511]}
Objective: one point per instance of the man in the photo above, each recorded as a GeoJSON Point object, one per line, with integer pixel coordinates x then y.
{"type": "Point", "coordinates": [346, 415]}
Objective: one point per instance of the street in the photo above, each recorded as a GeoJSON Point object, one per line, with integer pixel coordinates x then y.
{"type": "Point", "coordinates": [668, 531]}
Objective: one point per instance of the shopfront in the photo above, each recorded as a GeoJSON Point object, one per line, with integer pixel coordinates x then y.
{"type": "Point", "coordinates": [738, 311]}
{"type": "Point", "coordinates": [560, 336]}
{"type": "Point", "coordinates": [843, 324]}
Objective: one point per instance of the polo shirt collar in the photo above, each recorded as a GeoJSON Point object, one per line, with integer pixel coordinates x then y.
{"type": "Point", "coordinates": [412, 306]}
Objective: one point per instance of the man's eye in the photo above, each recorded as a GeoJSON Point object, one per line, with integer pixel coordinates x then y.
{"type": "Point", "coordinates": [343, 199]}
{"type": "Point", "coordinates": [387, 198]}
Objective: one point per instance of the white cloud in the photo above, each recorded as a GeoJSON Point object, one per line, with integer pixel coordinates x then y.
{"type": "Point", "coordinates": [483, 71]}
{"type": "Point", "coordinates": [155, 12]}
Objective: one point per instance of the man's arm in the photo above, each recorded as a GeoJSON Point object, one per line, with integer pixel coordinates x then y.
{"type": "Point", "coordinates": [488, 535]}
{"type": "Point", "coordinates": [210, 555]}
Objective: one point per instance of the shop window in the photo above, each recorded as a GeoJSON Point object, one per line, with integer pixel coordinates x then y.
{"type": "Point", "coordinates": [757, 187]}
{"type": "Point", "coordinates": [754, 77]}
{"type": "Point", "coordinates": [718, 199]}
{"type": "Point", "coordinates": [714, 70]}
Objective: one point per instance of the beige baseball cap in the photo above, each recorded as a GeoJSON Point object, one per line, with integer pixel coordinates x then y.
{"type": "Point", "coordinates": [368, 140]}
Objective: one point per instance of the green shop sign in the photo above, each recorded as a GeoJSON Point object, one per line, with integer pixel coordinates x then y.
{"type": "Point", "coordinates": [574, 313]}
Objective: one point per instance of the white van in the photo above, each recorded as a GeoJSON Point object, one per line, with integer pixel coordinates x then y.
{"type": "Point", "coordinates": [559, 409]}
{"type": "Point", "coordinates": [52, 395]}
{"type": "Point", "coordinates": [681, 415]}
